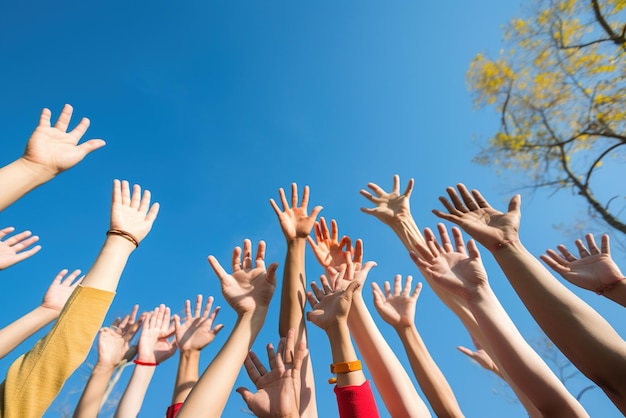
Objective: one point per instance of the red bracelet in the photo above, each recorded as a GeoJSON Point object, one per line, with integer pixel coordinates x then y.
{"type": "Point", "coordinates": [600, 291]}
{"type": "Point", "coordinates": [504, 244]}
{"type": "Point", "coordinates": [144, 363]}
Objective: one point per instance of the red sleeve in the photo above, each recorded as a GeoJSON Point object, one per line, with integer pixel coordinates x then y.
{"type": "Point", "coordinates": [172, 411]}
{"type": "Point", "coordinates": [356, 401]}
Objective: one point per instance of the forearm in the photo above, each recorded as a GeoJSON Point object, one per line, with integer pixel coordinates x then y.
{"type": "Point", "coordinates": [597, 350]}
{"type": "Point", "coordinates": [343, 351]}
{"type": "Point", "coordinates": [393, 383]}
{"type": "Point", "coordinates": [91, 399]}
{"type": "Point", "coordinates": [187, 375]}
{"type": "Point", "coordinates": [406, 229]}
{"type": "Point", "coordinates": [521, 363]}
{"type": "Point", "coordinates": [209, 395]}
{"type": "Point", "coordinates": [428, 375]}
{"type": "Point", "coordinates": [18, 178]}
{"type": "Point", "coordinates": [109, 265]}
{"type": "Point", "coordinates": [15, 333]}
{"type": "Point", "coordinates": [293, 296]}
{"type": "Point", "coordinates": [617, 293]}
{"type": "Point", "coordinates": [130, 404]}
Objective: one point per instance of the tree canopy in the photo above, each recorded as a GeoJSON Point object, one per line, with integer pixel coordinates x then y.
{"type": "Point", "coordinates": [559, 88]}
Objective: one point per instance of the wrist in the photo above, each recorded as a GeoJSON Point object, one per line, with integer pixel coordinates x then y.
{"type": "Point", "coordinates": [146, 357]}
{"type": "Point", "coordinates": [103, 366]}
{"type": "Point", "coordinates": [296, 243]}
{"type": "Point", "coordinates": [119, 243]}
{"type": "Point", "coordinates": [48, 312]}
{"type": "Point", "coordinates": [36, 170]}
{"type": "Point", "coordinates": [190, 354]}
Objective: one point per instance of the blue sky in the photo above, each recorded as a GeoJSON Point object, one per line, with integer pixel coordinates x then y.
{"type": "Point", "coordinates": [215, 105]}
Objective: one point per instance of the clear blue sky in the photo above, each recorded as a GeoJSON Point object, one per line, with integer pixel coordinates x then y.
{"type": "Point", "coordinates": [215, 105]}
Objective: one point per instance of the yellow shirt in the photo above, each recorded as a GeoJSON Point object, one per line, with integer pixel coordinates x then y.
{"type": "Point", "coordinates": [36, 378]}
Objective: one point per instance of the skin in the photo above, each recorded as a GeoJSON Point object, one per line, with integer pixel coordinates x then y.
{"type": "Point", "coordinates": [154, 347]}
{"type": "Point", "coordinates": [296, 225]}
{"type": "Point", "coordinates": [192, 335]}
{"type": "Point", "coordinates": [392, 381]}
{"type": "Point", "coordinates": [53, 301]}
{"type": "Point", "coordinates": [248, 290]}
{"type": "Point", "coordinates": [16, 248]}
{"type": "Point", "coordinates": [49, 151]}
{"type": "Point", "coordinates": [597, 351]}
{"type": "Point", "coordinates": [393, 209]}
{"type": "Point", "coordinates": [594, 270]}
{"type": "Point", "coordinates": [278, 390]}
{"type": "Point", "coordinates": [113, 349]}
{"type": "Point", "coordinates": [462, 272]}
{"type": "Point", "coordinates": [397, 308]}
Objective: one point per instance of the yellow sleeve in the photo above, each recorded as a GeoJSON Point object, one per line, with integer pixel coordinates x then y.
{"type": "Point", "coordinates": [36, 378]}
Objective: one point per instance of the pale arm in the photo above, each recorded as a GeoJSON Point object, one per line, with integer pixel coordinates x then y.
{"type": "Point", "coordinates": [154, 348]}
{"type": "Point", "coordinates": [113, 349]}
{"type": "Point", "coordinates": [249, 291]}
{"type": "Point", "coordinates": [464, 274]}
{"type": "Point", "coordinates": [192, 335]}
{"type": "Point", "coordinates": [58, 293]}
{"type": "Point", "coordinates": [50, 150]}
{"type": "Point", "coordinates": [393, 209]}
{"type": "Point", "coordinates": [581, 334]}
{"type": "Point", "coordinates": [397, 308]}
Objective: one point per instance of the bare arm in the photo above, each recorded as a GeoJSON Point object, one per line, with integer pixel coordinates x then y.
{"type": "Point", "coordinates": [249, 291]}
{"type": "Point", "coordinates": [397, 308]}
{"type": "Point", "coordinates": [50, 150]}
{"type": "Point", "coordinates": [296, 225]}
{"type": "Point", "coordinates": [113, 350]}
{"type": "Point", "coordinates": [463, 273]}
{"type": "Point", "coordinates": [393, 209]}
{"type": "Point", "coordinates": [583, 335]}
{"type": "Point", "coordinates": [154, 348]}
{"type": "Point", "coordinates": [195, 333]}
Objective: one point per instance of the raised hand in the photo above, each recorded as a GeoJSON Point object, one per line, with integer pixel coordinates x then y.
{"type": "Point", "coordinates": [595, 269]}
{"type": "Point", "coordinates": [278, 391]}
{"type": "Point", "coordinates": [15, 249]}
{"type": "Point", "coordinates": [391, 206]}
{"type": "Point", "coordinates": [114, 341]}
{"type": "Point", "coordinates": [397, 308]}
{"type": "Point", "coordinates": [154, 346]}
{"type": "Point", "coordinates": [197, 331]}
{"type": "Point", "coordinates": [330, 305]}
{"type": "Point", "coordinates": [481, 357]}
{"type": "Point", "coordinates": [455, 269]}
{"type": "Point", "coordinates": [294, 220]}
{"type": "Point", "coordinates": [247, 288]}
{"type": "Point", "coordinates": [485, 224]}
{"type": "Point", "coordinates": [330, 251]}
{"type": "Point", "coordinates": [132, 214]}
{"type": "Point", "coordinates": [352, 272]}
{"type": "Point", "coordinates": [60, 290]}
{"type": "Point", "coordinates": [53, 148]}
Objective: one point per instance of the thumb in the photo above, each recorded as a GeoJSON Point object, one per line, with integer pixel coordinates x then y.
{"type": "Point", "coordinates": [246, 395]}
{"type": "Point", "coordinates": [91, 145]}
